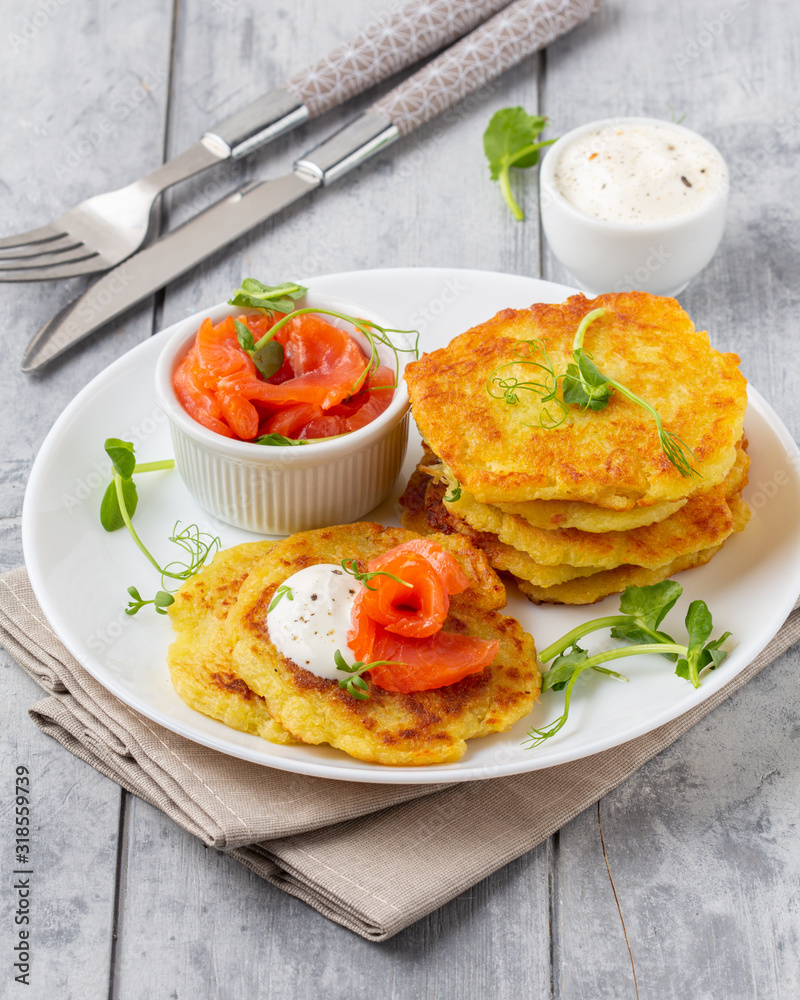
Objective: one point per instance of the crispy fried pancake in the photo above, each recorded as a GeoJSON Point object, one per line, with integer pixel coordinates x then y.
{"type": "Point", "coordinates": [705, 520]}
{"type": "Point", "coordinates": [523, 566]}
{"type": "Point", "coordinates": [422, 727]}
{"type": "Point", "coordinates": [200, 659]}
{"type": "Point", "coordinates": [561, 584]}
{"type": "Point", "coordinates": [590, 589]}
{"type": "Point", "coordinates": [612, 458]}
{"type": "Point", "coordinates": [554, 514]}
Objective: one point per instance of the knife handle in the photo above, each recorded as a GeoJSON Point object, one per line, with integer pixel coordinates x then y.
{"type": "Point", "coordinates": [388, 44]}
{"type": "Point", "coordinates": [516, 32]}
{"type": "Point", "coordinates": [519, 30]}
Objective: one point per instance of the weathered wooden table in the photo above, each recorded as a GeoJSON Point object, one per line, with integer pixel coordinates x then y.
{"type": "Point", "coordinates": [702, 844]}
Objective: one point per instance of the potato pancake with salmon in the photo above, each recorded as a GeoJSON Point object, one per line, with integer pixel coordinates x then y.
{"type": "Point", "coordinates": [394, 727]}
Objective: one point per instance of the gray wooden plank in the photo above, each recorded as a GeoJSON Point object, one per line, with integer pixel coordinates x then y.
{"type": "Point", "coordinates": [406, 208]}
{"type": "Point", "coordinates": [84, 98]}
{"type": "Point", "coordinates": [702, 843]}
{"type": "Point", "coordinates": [196, 923]}
{"type": "Point", "coordinates": [703, 849]}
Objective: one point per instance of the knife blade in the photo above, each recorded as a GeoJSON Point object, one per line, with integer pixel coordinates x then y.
{"type": "Point", "coordinates": [169, 257]}
{"type": "Point", "coordinates": [181, 249]}
{"type": "Point", "coordinates": [522, 28]}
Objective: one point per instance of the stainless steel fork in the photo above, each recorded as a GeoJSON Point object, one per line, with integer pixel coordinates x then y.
{"type": "Point", "coordinates": [102, 231]}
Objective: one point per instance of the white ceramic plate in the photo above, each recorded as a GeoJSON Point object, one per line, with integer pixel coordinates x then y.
{"type": "Point", "coordinates": [80, 573]}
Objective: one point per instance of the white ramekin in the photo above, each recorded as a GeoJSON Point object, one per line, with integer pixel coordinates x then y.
{"type": "Point", "coordinates": [658, 257]}
{"type": "Point", "coordinates": [280, 490]}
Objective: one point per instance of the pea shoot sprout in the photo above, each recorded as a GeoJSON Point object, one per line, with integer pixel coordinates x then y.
{"type": "Point", "coordinates": [583, 385]}
{"type": "Point", "coordinates": [642, 611]}
{"type": "Point", "coordinates": [117, 509]}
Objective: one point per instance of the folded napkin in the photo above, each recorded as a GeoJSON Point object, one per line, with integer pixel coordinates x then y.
{"type": "Point", "coordinates": [428, 843]}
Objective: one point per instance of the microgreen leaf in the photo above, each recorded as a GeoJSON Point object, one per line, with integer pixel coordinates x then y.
{"type": "Point", "coordinates": [454, 495]}
{"type": "Point", "coordinates": [646, 608]}
{"type": "Point", "coordinates": [279, 441]}
{"type": "Point", "coordinates": [121, 455]}
{"type": "Point", "coordinates": [244, 336]}
{"type": "Point", "coordinates": [712, 655]}
{"type": "Point", "coordinates": [650, 605]}
{"type": "Point", "coordinates": [562, 669]}
{"type": "Point", "coordinates": [281, 592]}
{"type": "Point", "coordinates": [699, 625]}
{"type": "Point", "coordinates": [585, 385]}
{"type": "Point", "coordinates": [510, 141]}
{"type": "Point", "coordinates": [160, 602]}
{"type": "Point", "coordinates": [268, 298]}
{"type": "Point", "coordinates": [341, 662]}
{"type": "Point", "coordinates": [355, 684]}
{"type": "Point", "coordinates": [268, 358]}
{"type": "Point", "coordinates": [110, 514]}
{"type": "Point", "coordinates": [117, 509]}
{"type": "Point", "coordinates": [564, 666]}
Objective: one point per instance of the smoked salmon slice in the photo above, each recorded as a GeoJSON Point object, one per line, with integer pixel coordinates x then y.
{"type": "Point", "coordinates": [309, 420]}
{"type": "Point", "coordinates": [424, 664]}
{"type": "Point", "coordinates": [418, 606]}
{"type": "Point", "coordinates": [199, 402]}
{"type": "Point", "coordinates": [219, 353]}
{"type": "Point", "coordinates": [403, 625]}
{"type": "Point", "coordinates": [323, 388]}
{"type": "Point", "coordinates": [327, 364]}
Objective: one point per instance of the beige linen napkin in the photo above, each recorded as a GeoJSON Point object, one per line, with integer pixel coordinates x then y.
{"type": "Point", "coordinates": [428, 843]}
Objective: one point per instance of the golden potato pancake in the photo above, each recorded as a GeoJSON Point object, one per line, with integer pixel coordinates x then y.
{"type": "Point", "coordinates": [524, 567]}
{"type": "Point", "coordinates": [612, 458]}
{"type": "Point", "coordinates": [704, 520]}
{"type": "Point", "coordinates": [559, 584]}
{"type": "Point", "coordinates": [555, 514]}
{"type": "Point", "coordinates": [199, 659]}
{"type": "Point", "coordinates": [422, 727]}
{"type": "Point", "coordinates": [590, 589]}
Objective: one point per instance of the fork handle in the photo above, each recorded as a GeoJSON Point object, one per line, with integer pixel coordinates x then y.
{"type": "Point", "coordinates": [391, 42]}
{"type": "Point", "coordinates": [506, 39]}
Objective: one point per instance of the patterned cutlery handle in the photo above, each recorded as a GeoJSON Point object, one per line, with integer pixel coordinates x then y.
{"type": "Point", "coordinates": [521, 29]}
{"type": "Point", "coordinates": [386, 46]}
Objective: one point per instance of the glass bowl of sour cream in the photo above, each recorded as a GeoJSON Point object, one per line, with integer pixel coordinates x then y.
{"type": "Point", "coordinates": [633, 203]}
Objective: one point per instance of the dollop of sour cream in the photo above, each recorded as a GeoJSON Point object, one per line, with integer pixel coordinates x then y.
{"type": "Point", "coordinates": [309, 628]}
{"type": "Point", "coordinates": [639, 173]}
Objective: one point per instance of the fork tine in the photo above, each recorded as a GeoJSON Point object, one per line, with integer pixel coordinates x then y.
{"type": "Point", "coordinates": [47, 249]}
{"type": "Point", "coordinates": [89, 265]}
{"type": "Point", "coordinates": [32, 236]}
{"type": "Point", "coordinates": [79, 252]}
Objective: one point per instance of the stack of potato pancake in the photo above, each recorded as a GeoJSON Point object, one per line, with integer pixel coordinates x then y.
{"type": "Point", "coordinates": [578, 503]}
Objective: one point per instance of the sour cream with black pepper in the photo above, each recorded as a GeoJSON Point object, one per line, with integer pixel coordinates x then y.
{"type": "Point", "coordinates": [310, 626]}
{"type": "Point", "coordinates": [639, 173]}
